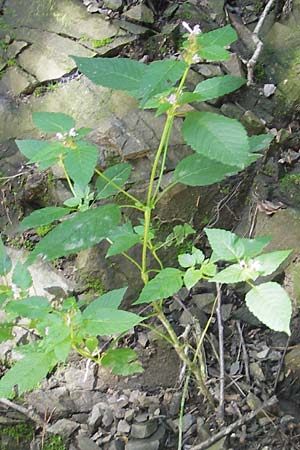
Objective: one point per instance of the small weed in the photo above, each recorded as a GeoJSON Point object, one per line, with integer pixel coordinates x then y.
{"type": "Point", "coordinates": [44, 229]}
{"type": "Point", "coordinates": [289, 181]}
{"type": "Point", "coordinates": [54, 443]}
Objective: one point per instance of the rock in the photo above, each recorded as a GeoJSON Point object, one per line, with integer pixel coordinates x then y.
{"type": "Point", "coordinates": [15, 82]}
{"type": "Point", "coordinates": [143, 430]}
{"type": "Point", "coordinates": [123, 427]}
{"type": "Point", "coordinates": [52, 61]}
{"type": "Point", "coordinates": [187, 421]}
{"type": "Point", "coordinates": [113, 4]}
{"type": "Point", "coordinates": [202, 301]}
{"type": "Point", "coordinates": [95, 416]}
{"type": "Point", "coordinates": [152, 443]}
{"type": "Point", "coordinates": [15, 48]}
{"type": "Point", "coordinates": [256, 371]}
{"type": "Point", "coordinates": [56, 400]}
{"type": "Point", "coordinates": [269, 89]}
{"type": "Point", "coordinates": [253, 124]}
{"type": "Point", "coordinates": [80, 378]}
{"type": "Point", "coordinates": [174, 405]}
{"type": "Point", "coordinates": [140, 13]}
{"type": "Point", "coordinates": [292, 360]}
{"type": "Point", "coordinates": [233, 66]}
{"type": "Point", "coordinates": [117, 445]}
{"type": "Point", "coordinates": [253, 401]}
{"type": "Point", "coordinates": [209, 70]}
{"type": "Point", "coordinates": [84, 400]}
{"type": "Point", "coordinates": [44, 277]}
{"type": "Point", "coordinates": [85, 443]}
{"type": "Point", "coordinates": [63, 427]}
{"type": "Point", "coordinates": [64, 17]}
{"type": "Point", "coordinates": [107, 418]}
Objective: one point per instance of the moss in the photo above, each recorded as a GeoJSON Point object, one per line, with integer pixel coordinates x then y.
{"type": "Point", "coordinates": [260, 72]}
{"type": "Point", "coordinates": [11, 62]}
{"type": "Point", "coordinates": [17, 436]}
{"type": "Point", "coordinates": [92, 283]}
{"type": "Point", "coordinates": [289, 181]}
{"type": "Point", "coordinates": [97, 43]}
{"type": "Point", "coordinates": [44, 229]}
{"type": "Point", "coordinates": [54, 443]}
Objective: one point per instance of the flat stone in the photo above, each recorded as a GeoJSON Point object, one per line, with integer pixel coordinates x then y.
{"type": "Point", "coordinates": [64, 17]}
{"type": "Point", "coordinates": [63, 427]}
{"type": "Point", "coordinates": [154, 442]}
{"type": "Point", "coordinates": [233, 66]}
{"type": "Point", "coordinates": [113, 4]}
{"type": "Point", "coordinates": [80, 378]}
{"type": "Point", "coordinates": [123, 427]}
{"type": "Point", "coordinates": [56, 400]}
{"type": "Point", "coordinates": [140, 13]}
{"type": "Point", "coordinates": [143, 430]}
{"type": "Point", "coordinates": [85, 443]}
{"type": "Point", "coordinates": [84, 400]}
{"type": "Point", "coordinates": [48, 56]}
{"type": "Point", "coordinates": [15, 48]}
{"type": "Point", "coordinates": [15, 82]}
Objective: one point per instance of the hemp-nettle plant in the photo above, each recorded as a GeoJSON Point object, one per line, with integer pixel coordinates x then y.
{"type": "Point", "coordinates": [221, 148]}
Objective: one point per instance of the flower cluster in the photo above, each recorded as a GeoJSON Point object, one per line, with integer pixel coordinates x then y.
{"type": "Point", "coordinates": [63, 136]}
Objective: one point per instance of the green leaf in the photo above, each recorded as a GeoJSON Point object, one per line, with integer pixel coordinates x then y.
{"type": "Point", "coordinates": [31, 307]}
{"type": "Point", "coordinates": [43, 216]}
{"type": "Point", "coordinates": [48, 155]}
{"type": "Point", "coordinates": [55, 122]}
{"type": "Point", "coordinates": [6, 331]}
{"type": "Point", "coordinates": [109, 300]}
{"type": "Point", "coordinates": [216, 137]}
{"type": "Point", "coordinates": [188, 260]}
{"type": "Point", "coordinates": [5, 261]}
{"type": "Point", "coordinates": [267, 263]}
{"type": "Point", "coordinates": [81, 231]}
{"type": "Point", "coordinates": [110, 321]}
{"type": "Point", "coordinates": [192, 276]}
{"type": "Point", "coordinates": [197, 170]}
{"type": "Point", "coordinates": [122, 239]}
{"type": "Point", "coordinates": [271, 305]}
{"type": "Point", "coordinates": [260, 142]}
{"type": "Point", "coordinates": [221, 37]}
{"type": "Point", "coordinates": [218, 86]}
{"type": "Point", "coordinates": [31, 147]}
{"type": "Point", "coordinates": [234, 274]}
{"type": "Point", "coordinates": [228, 246]}
{"type": "Point", "coordinates": [21, 276]}
{"type": "Point", "coordinates": [162, 286]}
{"type": "Point", "coordinates": [62, 350]}
{"type": "Point", "coordinates": [118, 174]}
{"type": "Point", "coordinates": [214, 53]}
{"type": "Point", "coordinates": [26, 373]}
{"type": "Point", "coordinates": [80, 162]}
{"type": "Point", "coordinates": [115, 73]}
{"type": "Point", "coordinates": [122, 361]}
{"type": "Point", "coordinates": [160, 75]}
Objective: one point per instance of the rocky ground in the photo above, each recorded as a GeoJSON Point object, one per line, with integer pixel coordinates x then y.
{"type": "Point", "coordinates": [82, 403]}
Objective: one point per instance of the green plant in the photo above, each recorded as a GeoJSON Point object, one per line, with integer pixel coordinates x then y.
{"type": "Point", "coordinates": [222, 148]}
{"type": "Point", "coordinates": [289, 181]}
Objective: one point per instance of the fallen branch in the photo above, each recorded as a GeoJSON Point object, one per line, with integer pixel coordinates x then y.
{"type": "Point", "coordinates": [225, 431]}
{"type": "Point", "coordinates": [259, 44]}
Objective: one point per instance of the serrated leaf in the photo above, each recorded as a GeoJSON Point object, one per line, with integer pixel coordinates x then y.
{"type": "Point", "coordinates": [6, 331]}
{"type": "Point", "coordinates": [214, 53]}
{"type": "Point", "coordinates": [160, 75]}
{"type": "Point", "coordinates": [31, 307]}
{"type": "Point", "coordinates": [109, 321]}
{"type": "Point", "coordinates": [5, 261]}
{"type": "Point", "coordinates": [267, 263]}
{"type": "Point", "coordinates": [48, 155]}
{"type": "Point", "coordinates": [197, 170]}
{"type": "Point", "coordinates": [234, 274]}
{"type": "Point", "coordinates": [80, 162]}
{"type": "Point", "coordinates": [122, 239]}
{"type": "Point", "coordinates": [30, 147]}
{"type": "Point", "coordinates": [163, 285]}
{"type": "Point", "coordinates": [260, 142]}
{"type": "Point", "coordinates": [26, 373]}
{"type": "Point", "coordinates": [118, 174]}
{"type": "Point", "coordinates": [228, 246]}
{"type": "Point", "coordinates": [192, 276]}
{"type": "Point", "coordinates": [62, 350]}
{"type": "Point", "coordinates": [82, 132]}
{"type": "Point", "coordinates": [122, 361]}
{"type": "Point", "coordinates": [218, 86]}
{"type": "Point", "coordinates": [217, 137]}
{"type": "Point", "coordinates": [186, 260]}
{"type": "Point", "coordinates": [51, 121]}
{"type": "Point", "coordinates": [221, 36]}
{"type": "Point", "coordinates": [109, 300]}
{"type": "Point", "coordinates": [271, 305]}
{"type": "Point", "coordinates": [21, 276]}
{"type": "Point", "coordinates": [115, 73]}
{"type": "Point", "coordinates": [81, 231]}
{"type": "Point", "coordinates": [43, 216]}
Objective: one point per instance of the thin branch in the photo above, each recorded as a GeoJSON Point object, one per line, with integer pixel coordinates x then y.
{"type": "Point", "coordinates": [238, 423]}
{"type": "Point", "coordinates": [180, 420]}
{"type": "Point", "coordinates": [26, 412]}
{"type": "Point", "coordinates": [245, 353]}
{"type": "Point", "coordinates": [221, 351]}
{"type": "Point", "coordinates": [259, 44]}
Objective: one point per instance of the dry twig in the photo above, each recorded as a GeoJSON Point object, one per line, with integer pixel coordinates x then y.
{"type": "Point", "coordinates": [221, 351]}
{"type": "Point", "coordinates": [245, 354]}
{"type": "Point", "coordinates": [238, 423]}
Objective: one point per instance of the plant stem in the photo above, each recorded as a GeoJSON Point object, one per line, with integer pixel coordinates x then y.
{"type": "Point", "coordinates": [180, 419]}
{"type": "Point", "coordinates": [109, 181]}
{"type": "Point", "coordinates": [67, 178]}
